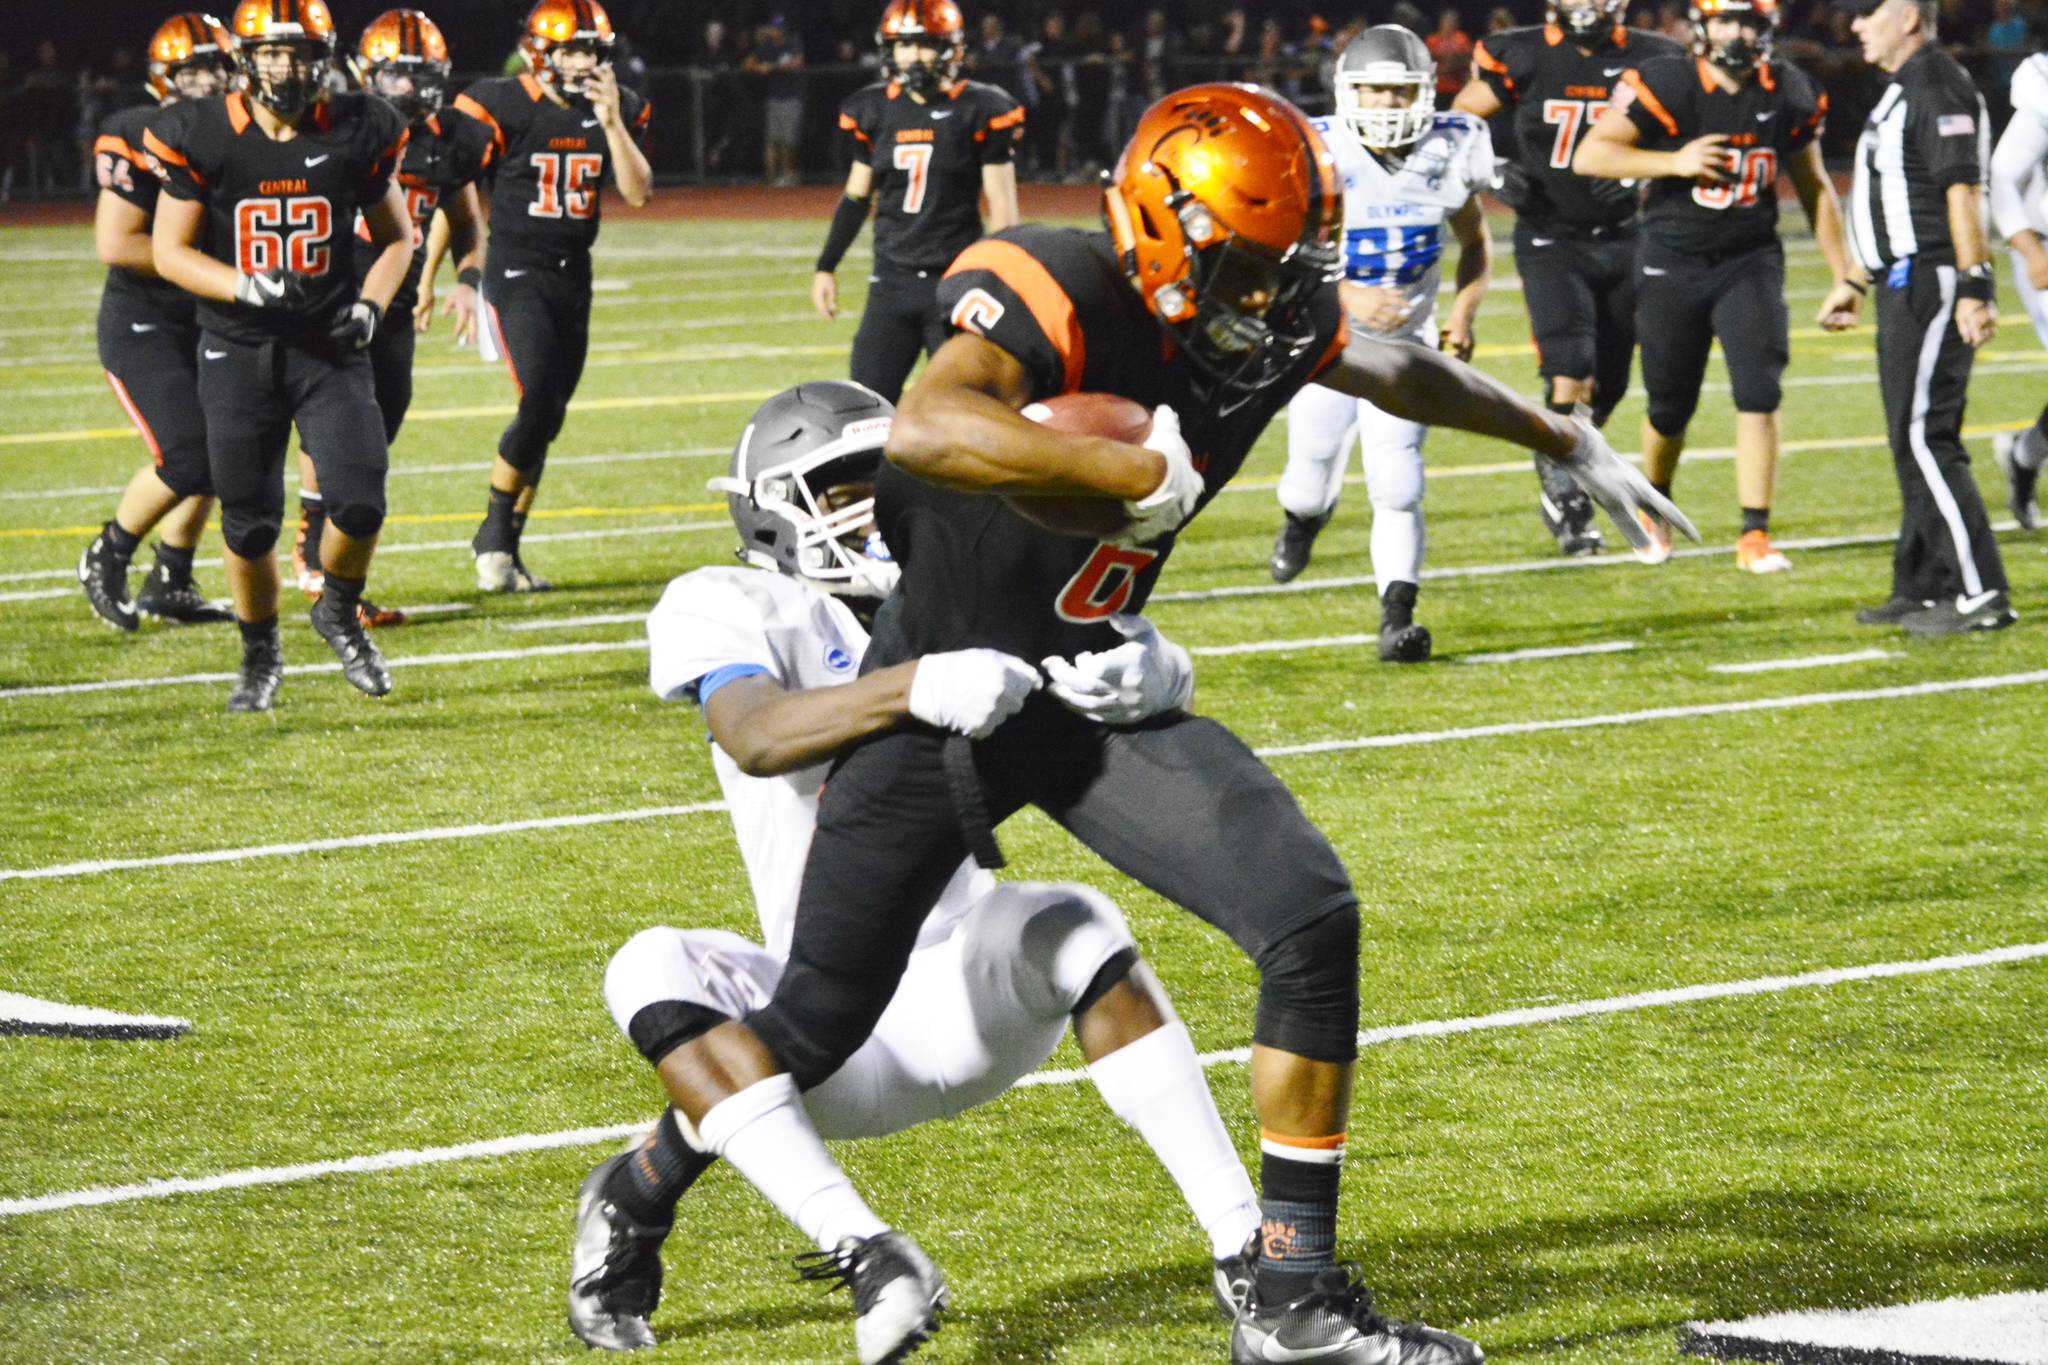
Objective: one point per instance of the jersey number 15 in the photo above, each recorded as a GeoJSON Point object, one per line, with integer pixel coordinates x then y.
{"type": "Point", "coordinates": [566, 184]}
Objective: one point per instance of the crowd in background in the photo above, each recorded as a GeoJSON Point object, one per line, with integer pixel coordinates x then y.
{"type": "Point", "coordinates": [753, 94]}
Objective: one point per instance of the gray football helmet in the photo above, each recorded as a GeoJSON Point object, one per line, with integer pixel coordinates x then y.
{"type": "Point", "coordinates": [1384, 55]}
{"type": "Point", "coordinates": [798, 446]}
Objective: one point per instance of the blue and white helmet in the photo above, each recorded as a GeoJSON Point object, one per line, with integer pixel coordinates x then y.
{"type": "Point", "coordinates": [798, 447]}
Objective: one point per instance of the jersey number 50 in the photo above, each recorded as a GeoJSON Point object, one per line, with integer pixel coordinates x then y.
{"type": "Point", "coordinates": [1756, 171]}
{"type": "Point", "coordinates": [288, 234]}
{"type": "Point", "coordinates": [566, 184]}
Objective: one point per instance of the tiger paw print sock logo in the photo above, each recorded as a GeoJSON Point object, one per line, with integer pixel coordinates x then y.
{"type": "Point", "coordinates": [1277, 1239]}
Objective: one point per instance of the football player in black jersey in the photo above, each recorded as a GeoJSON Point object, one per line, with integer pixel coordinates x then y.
{"type": "Point", "coordinates": [556, 131]}
{"type": "Point", "coordinates": [149, 347]}
{"type": "Point", "coordinates": [1212, 296]}
{"type": "Point", "coordinates": [1711, 132]}
{"type": "Point", "coordinates": [1575, 239]}
{"type": "Point", "coordinates": [403, 59]}
{"type": "Point", "coordinates": [927, 148]}
{"type": "Point", "coordinates": [261, 192]}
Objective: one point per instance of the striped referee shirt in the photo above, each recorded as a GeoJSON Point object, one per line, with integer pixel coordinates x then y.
{"type": "Point", "coordinates": [1928, 131]}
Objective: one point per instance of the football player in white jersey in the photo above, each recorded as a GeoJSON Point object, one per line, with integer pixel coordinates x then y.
{"type": "Point", "coordinates": [1001, 970]}
{"type": "Point", "coordinates": [2019, 208]}
{"type": "Point", "coordinates": [1409, 173]}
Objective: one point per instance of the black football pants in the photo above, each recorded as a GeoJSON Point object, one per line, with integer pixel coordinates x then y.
{"type": "Point", "coordinates": [151, 359]}
{"type": "Point", "coordinates": [540, 311]}
{"type": "Point", "coordinates": [1581, 297]}
{"type": "Point", "coordinates": [901, 318]}
{"type": "Point", "coordinates": [1945, 546]}
{"type": "Point", "coordinates": [1684, 303]}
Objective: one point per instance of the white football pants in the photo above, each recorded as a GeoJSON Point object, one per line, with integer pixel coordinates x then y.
{"type": "Point", "coordinates": [973, 1013]}
{"type": "Point", "coordinates": [2035, 302]}
{"type": "Point", "coordinates": [1320, 425]}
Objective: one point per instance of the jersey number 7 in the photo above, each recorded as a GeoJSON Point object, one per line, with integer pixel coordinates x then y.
{"type": "Point", "coordinates": [288, 234]}
{"type": "Point", "coordinates": [916, 158]}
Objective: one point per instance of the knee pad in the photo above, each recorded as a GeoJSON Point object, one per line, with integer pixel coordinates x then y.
{"type": "Point", "coordinates": [249, 532]}
{"type": "Point", "coordinates": [665, 986]}
{"type": "Point", "coordinates": [1566, 357]}
{"type": "Point", "coordinates": [1308, 989]}
{"type": "Point", "coordinates": [1394, 480]}
{"type": "Point", "coordinates": [1755, 392]}
{"type": "Point", "coordinates": [525, 443]}
{"type": "Point", "coordinates": [1669, 415]}
{"type": "Point", "coordinates": [1048, 945]}
{"type": "Point", "coordinates": [358, 520]}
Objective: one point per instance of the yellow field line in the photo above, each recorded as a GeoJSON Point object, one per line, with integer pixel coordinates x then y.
{"type": "Point", "coordinates": [436, 518]}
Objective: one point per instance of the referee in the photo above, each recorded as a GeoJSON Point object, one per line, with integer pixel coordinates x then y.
{"type": "Point", "coordinates": [1916, 224]}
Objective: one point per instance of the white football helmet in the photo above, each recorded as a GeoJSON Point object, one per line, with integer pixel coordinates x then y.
{"type": "Point", "coordinates": [1387, 55]}
{"type": "Point", "coordinates": [798, 446]}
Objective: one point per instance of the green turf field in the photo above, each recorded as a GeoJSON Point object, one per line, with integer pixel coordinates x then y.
{"type": "Point", "coordinates": [1564, 1190]}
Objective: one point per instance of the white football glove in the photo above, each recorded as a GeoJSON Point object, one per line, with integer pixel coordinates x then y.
{"type": "Point", "coordinates": [1619, 487]}
{"type": "Point", "coordinates": [1133, 682]}
{"type": "Point", "coordinates": [1173, 501]}
{"type": "Point", "coordinates": [971, 691]}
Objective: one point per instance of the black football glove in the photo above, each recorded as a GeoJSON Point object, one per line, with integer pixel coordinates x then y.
{"type": "Point", "coordinates": [283, 290]}
{"type": "Point", "coordinates": [1613, 194]}
{"type": "Point", "coordinates": [1516, 188]}
{"type": "Point", "coordinates": [355, 328]}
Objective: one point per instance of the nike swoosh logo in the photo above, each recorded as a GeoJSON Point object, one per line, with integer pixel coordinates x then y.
{"type": "Point", "coordinates": [1763, 118]}
{"type": "Point", "coordinates": [942, 113]}
{"type": "Point", "coordinates": [1610, 71]}
{"type": "Point", "coordinates": [1542, 241]}
{"type": "Point", "coordinates": [215, 355]}
{"type": "Point", "coordinates": [313, 161]}
{"type": "Point", "coordinates": [590, 123]}
{"type": "Point", "coordinates": [1966, 605]}
{"type": "Point", "coordinates": [1655, 270]}
{"type": "Point", "coordinates": [514, 274]}
{"type": "Point", "coordinates": [1271, 1349]}
{"type": "Point", "coordinates": [142, 327]}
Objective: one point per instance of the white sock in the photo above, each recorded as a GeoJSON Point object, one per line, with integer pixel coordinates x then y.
{"type": "Point", "coordinates": [1397, 537]}
{"type": "Point", "coordinates": [1156, 1085]}
{"type": "Point", "coordinates": [765, 1133]}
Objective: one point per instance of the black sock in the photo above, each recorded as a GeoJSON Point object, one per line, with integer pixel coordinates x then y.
{"type": "Point", "coordinates": [312, 520]}
{"type": "Point", "coordinates": [1756, 519]}
{"type": "Point", "coordinates": [518, 529]}
{"type": "Point", "coordinates": [258, 632]}
{"type": "Point", "coordinates": [1397, 605]}
{"type": "Point", "coordinates": [1664, 487]}
{"type": "Point", "coordinates": [346, 592]}
{"type": "Point", "coordinates": [1562, 409]}
{"type": "Point", "coordinates": [2041, 424]}
{"type": "Point", "coordinates": [173, 565]}
{"type": "Point", "coordinates": [119, 541]}
{"type": "Point", "coordinates": [497, 533]}
{"type": "Point", "coordinates": [647, 1186]}
{"type": "Point", "coordinates": [1297, 1217]}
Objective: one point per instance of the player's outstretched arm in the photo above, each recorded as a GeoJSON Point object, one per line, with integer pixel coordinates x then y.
{"type": "Point", "coordinates": [178, 224]}
{"type": "Point", "coordinates": [1431, 388]}
{"type": "Point", "coordinates": [120, 233]}
{"type": "Point", "coordinates": [1817, 196]}
{"type": "Point", "coordinates": [960, 428]}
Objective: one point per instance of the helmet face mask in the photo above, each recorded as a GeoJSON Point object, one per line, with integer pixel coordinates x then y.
{"type": "Point", "coordinates": [1747, 29]}
{"type": "Point", "coordinates": [1382, 59]}
{"type": "Point", "coordinates": [201, 78]}
{"type": "Point", "coordinates": [574, 77]}
{"type": "Point", "coordinates": [578, 29]}
{"type": "Point", "coordinates": [1587, 20]}
{"type": "Point", "coordinates": [285, 51]}
{"type": "Point", "coordinates": [801, 488]}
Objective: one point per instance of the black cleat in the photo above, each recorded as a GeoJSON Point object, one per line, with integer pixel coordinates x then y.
{"type": "Point", "coordinates": [897, 1292]}
{"type": "Point", "coordinates": [1401, 640]}
{"type": "Point", "coordinates": [1963, 615]}
{"type": "Point", "coordinates": [2019, 480]}
{"type": "Point", "coordinates": [1569, 519]}
{"type": "Point", "coordinates": [614, 1269]}
{"type": "Point", "coordinates": [342, 629]}
{"type": "Point", "coordinates": [1231, 1279]}
{"type": "Point", "coordinates": [1334, 1324]}
{"type": "Point", "coordinates": [1297, 539]}
{"type": "Point", "coordinates": [104, 575]}
{"type": "Point", "coordinates": [1892, 612]}
{"type": "Point", "coordinates": [262, 673]}
{"type": "Point", "coordinates": [179, 604]}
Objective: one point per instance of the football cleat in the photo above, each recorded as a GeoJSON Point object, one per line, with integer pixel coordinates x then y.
{"type": "Point", "coordinates": [897, 1292]}
{"type": "Point", "coordinates": [1754, 553]}
{"type": "Point", "coordinates": [614, 1269]}
{"type": "Point", "coordinates": [262, 673]}
{"type": "Point", "coordinates": [1231, 1279]}
{"type": "Point", "coordinates": [1569, 519]}
{"type": "Point", "coordinates": [1659, 531]}
{"type": "Point", "coordinates": [1962, 615]}
{"type": "Point", "coordinates": [1409, 644]}
{"type": "Point", "coordinates": [502, 571]}
{"type": "Point", "coordinates": [1334, 1324]}
{"type": "Point", "coordinates": [1893, 611]}
{"type": "Point", "coordinates": [374, 617]}
{"type": "Point", "coordinates": [1297, 539]}
{"type": "Point", "coordinates": [104, 576]}
{"type": "Point", "coordinates": [361, 664]}
{"type": "Point", "coordinates": [177, 603]}
{"type": "Point", "coordinates": [2019, 480]}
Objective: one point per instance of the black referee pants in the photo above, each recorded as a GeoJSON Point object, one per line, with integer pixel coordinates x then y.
{"type": "Point", "coordinates": [901, 318]}
{"type": "Point", "coordinates": [1945, 546]}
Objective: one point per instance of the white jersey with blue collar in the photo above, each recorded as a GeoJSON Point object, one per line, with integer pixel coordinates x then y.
{"type": "Point", "coordinates": [1394, 217]}
{"type": "Point", "coordinates": [714, 625]}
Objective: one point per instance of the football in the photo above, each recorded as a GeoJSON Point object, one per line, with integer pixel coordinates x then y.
{"type": "Point", "coordinates": [1084, 414]}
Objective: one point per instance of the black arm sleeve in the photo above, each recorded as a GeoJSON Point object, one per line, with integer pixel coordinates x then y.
{"type": "Point", "coordinates": [846, 221]}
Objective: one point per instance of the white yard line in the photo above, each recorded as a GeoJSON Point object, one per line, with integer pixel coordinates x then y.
{"type": "Point", "coordinates": [1805, 661]}
{"type": "Point", "coordinates": [406, 1159]}
{"type": "Point", "coordinates": [616, 618]}
{"type": "Point", "coordinates": [1516, 656]}
{"type": "Point", "coordinates": [26, 1015]}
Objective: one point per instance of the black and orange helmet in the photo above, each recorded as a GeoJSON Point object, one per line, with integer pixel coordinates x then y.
{"type": "Point", "coordinates": [307, 27]}
{"type": "Point", "coordinates": [404, 42]}
{"type": "Point", "coordinates": [186, 40]}
{"type": "Point", "coordinates": [555, 25]}
{"type": "Point", "coordinates": [1759, 18]}
{"type": "Point", "coordinates": [927, 23]}
{"type": "Point", "coordinates": [1225, 209]}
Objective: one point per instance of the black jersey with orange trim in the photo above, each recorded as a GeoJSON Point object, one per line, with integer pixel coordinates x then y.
{"type": "Point", "coordinates": [549, 161]}
{"type": "Point", "coordinates": [121, 168]}
{"type": "Point", "coordinates": [444, 152]}
{"type": "Point", "coordinates": [1554, 91]}
{"type": "Point", "coordinates": [288, 204]}
{"type": "Point", "coordinates": [977, 574]}
{"type": "Point", "coordinates": [1766, 121]}
{"type": "Point", "coordinates": [927, 160]}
